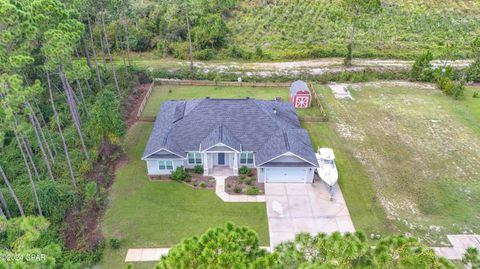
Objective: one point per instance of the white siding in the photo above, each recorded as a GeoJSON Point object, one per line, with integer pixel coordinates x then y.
{"type": "Point", "coordinates": [153, 169]}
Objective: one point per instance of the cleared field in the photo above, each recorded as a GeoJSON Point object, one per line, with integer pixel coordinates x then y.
{"type": "Point", "coordinates": [321, 28]}
{"type": "Point", "coordinates": [421, 149]}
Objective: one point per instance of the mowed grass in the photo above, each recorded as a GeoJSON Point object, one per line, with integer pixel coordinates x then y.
{"type": "Point", "coordinates": [167, 92]}
{"type": "Point", "coordinates": [143, 213]}
{"type": "Point", "coordinates": [421, 149]}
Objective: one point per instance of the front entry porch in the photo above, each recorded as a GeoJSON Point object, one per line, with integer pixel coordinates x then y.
{"type": "Point", "coordinates": [220, 163]}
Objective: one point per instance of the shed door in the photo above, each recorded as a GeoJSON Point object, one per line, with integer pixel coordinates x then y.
{"type": "Point", "coordinates": [285, 174]}
{"type": "Point", "coordinates": [301, 101]}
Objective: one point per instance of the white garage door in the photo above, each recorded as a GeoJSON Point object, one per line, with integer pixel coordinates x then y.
{"type": "Point", "coordinates": [285, 174]}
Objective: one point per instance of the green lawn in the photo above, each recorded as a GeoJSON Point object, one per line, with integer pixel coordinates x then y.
{"type": "Point", "coordinates": [162, 93]}
{"type": "Point", "coordinates": [159, 214]}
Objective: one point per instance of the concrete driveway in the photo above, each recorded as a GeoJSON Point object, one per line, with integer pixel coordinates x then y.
{"type": "Point", "coordinates": [296, 207]}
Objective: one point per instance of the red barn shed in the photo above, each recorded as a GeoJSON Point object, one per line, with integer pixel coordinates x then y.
{"type": "Point", "coordinates": [300, 96]}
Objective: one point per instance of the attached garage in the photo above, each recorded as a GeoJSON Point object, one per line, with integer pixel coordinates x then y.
{"type": "Point", "coordinates": [285, 174]}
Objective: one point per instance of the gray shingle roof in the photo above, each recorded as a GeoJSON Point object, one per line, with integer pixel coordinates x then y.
{"type": "Point", "coordinates": [242, 124]}
{"type": "Point", "coordinates": [294, 141]}
{"type": "Point", "coordinates": [297, 86]}
{"type": "Point", "coordinates": [221, 134]}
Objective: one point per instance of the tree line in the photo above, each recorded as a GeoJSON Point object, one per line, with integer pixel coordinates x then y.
{"type": "Point", "coordinates": [61, 105]}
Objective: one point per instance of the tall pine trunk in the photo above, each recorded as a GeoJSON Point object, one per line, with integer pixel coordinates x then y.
{"type": "Point", "coordinates": [25, 161]}
{"type": "Point", "coordinates": [59, 126]}
{"type": "Point", "coordinates": [5, 205]}
{"type": "Point", "coordinates": [190, 50]}
{"type": "Point", "coordinates": [97, 70]}
{"type": "Point", "coordinates": [110, 56]}
{"type": "Point", "coordinates": [54, 148]}
{"type": "Point", "coordinates": [12, 192]}
{"type": "Point", "coordinates": [85, 50]}
{"type": "Point", "coordinates": [125, 26]}
{"type": "Point", "coordinates": [28, 149]}
{"type": "Point", "coordinates": [73, 110]}
{"type": "Point", "coordinates": [119, 41]}
{"type": "Point", "coordinates": [102, 47]}
{"type": "Point", "coordinates": [39, 141]}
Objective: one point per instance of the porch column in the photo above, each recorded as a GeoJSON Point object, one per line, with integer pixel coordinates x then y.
{"type": "Point", "coordinates": [235, 164]}
{"type": "Point", "coordinates": [205, 164]}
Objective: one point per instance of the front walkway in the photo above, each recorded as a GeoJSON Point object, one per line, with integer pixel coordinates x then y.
{"type": "Point", "coordinates": [293, 208]}
{"type": "Point", "coordinates": [460, 243]}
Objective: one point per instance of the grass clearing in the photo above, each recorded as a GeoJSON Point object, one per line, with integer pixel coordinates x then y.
{"type": "Point", "coordinates": [421, 149]}
{"type": "Point", "coordinates": [160, 214]}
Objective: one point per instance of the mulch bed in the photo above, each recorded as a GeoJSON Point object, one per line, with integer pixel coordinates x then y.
{"type": "Point", "coordinates": [234, 184]}
{"type": "Point", "coordinates": [133, 103]}
{"type": "Point", "coordinates": [194, 180]}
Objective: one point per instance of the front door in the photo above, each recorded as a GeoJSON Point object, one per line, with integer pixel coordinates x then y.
{"type": "Point", "coordinates": [221, 158]}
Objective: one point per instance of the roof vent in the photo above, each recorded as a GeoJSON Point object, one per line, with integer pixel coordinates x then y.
{"type": "Point", "coordinates": [274, 111]}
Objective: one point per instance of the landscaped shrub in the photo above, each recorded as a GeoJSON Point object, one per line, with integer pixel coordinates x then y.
{"type": "Point", "coordinates": [198, 169]}
{"type": "Point", "coordinates": [244, 170]}
{"type": "Point", "coordinates": [249, 181]}
{"type": "Point", "coordinates": [114, 243]}
{"type": "Point", "coordinates": [179, 174]}
{"type": "Point", "coordinates": [237, 189]}
{"type": "Point", "coordinates": [253, 191]}
{"type": "Point", "coordinates": [242, 177]}
{"type": "Point", "coordinates": [203, 184]}
{"type": "Point", "coordinates": [475, 94]}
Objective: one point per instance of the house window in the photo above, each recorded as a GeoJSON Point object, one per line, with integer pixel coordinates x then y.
{"type": "Point", "coordinates": [246, 158]}
{"type": "Point", "coordinates": [165, 165]}
{"type": "Point", "coordinates": [194, 158]}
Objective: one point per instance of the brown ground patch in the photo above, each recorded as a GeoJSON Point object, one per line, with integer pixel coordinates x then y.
{"type": "Point", "coordinates": [133, 103]}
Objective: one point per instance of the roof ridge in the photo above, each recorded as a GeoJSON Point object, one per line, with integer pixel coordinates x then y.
{"type": "Point", "coordinates": [285, 138]}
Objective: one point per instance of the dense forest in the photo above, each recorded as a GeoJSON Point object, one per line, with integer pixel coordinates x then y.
{"type": "Point", "coordinates": [61, 119]}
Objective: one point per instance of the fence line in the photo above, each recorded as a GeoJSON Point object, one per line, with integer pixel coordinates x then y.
{"type": "Point", "coordinates": [145, 99]}
{"type": "Point", "coordinates": [162, 81]}
{"type": "Point", "coordinates": [319, 104]}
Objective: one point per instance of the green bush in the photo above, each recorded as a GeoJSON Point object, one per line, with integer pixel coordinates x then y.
{"type": "Point", "coordinates": [179, 174]}
{"type": "Point", "coordinates": [205, 54]}
{"type": "Point", "coordinates": [203, 184]}
{"type": "Point", "coordinates": [237, 189]}
{"type": "Point", "coordinates": [253, 191]}
{"type": "Point", "coordinates": [422, 68]}
{"type": "Point", "coordinates": [114, 243]}
{"type": "Point", "coordinates": [244, 170]}
{"type": "Point", "coordinates": [198, 169]}
{"type": "Point", "coordinates": [446, 85]}
{"type": "Point", "coordinates": [475, 94]}
{"type": "Point", "coordinates": [249, 181]}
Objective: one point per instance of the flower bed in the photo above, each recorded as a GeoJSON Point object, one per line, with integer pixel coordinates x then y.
{"type": "Point", "coordinates": [244, 184]}
{"type": "Point", "coordinates": [199, 181]}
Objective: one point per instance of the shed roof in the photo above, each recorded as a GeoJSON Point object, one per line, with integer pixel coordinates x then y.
{"type": "Point", "coordinates": [298, 86]}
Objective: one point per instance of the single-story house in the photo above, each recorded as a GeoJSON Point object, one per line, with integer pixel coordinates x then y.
{"type": "Point", "coordinates": [228, 134]}
{"type": "Point", "coordinates": [300, 96]}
